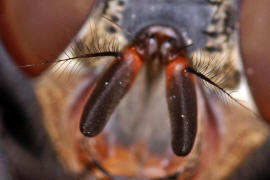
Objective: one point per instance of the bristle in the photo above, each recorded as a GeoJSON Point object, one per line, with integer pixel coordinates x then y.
{"type": "Point", "coordinates": [219, 69]}
{"type": "Point", "coordinates": [214, 74]}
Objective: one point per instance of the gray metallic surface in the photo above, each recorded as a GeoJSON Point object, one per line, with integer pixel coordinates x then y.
{"type": "Point", "coordinates": [190, 17]}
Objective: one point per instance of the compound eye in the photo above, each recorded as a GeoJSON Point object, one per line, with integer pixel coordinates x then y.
{"type": "Point", "coordinates": [38, 33]}
{"type": "Point", "coordinates": [254, 31]}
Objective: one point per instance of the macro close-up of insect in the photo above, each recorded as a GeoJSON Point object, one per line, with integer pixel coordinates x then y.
{"type": "Point", "coordinates": [134, 90]}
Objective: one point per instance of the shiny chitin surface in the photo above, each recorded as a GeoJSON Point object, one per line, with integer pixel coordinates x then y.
{"type": "Point", "coordinates": [181, 98]}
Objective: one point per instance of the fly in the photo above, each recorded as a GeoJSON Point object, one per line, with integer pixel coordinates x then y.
{"type": "Point", "coordinates": [156, 67]}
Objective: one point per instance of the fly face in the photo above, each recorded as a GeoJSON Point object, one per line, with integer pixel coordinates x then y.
{"type": "Point", "coordinates": [144, 128]}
